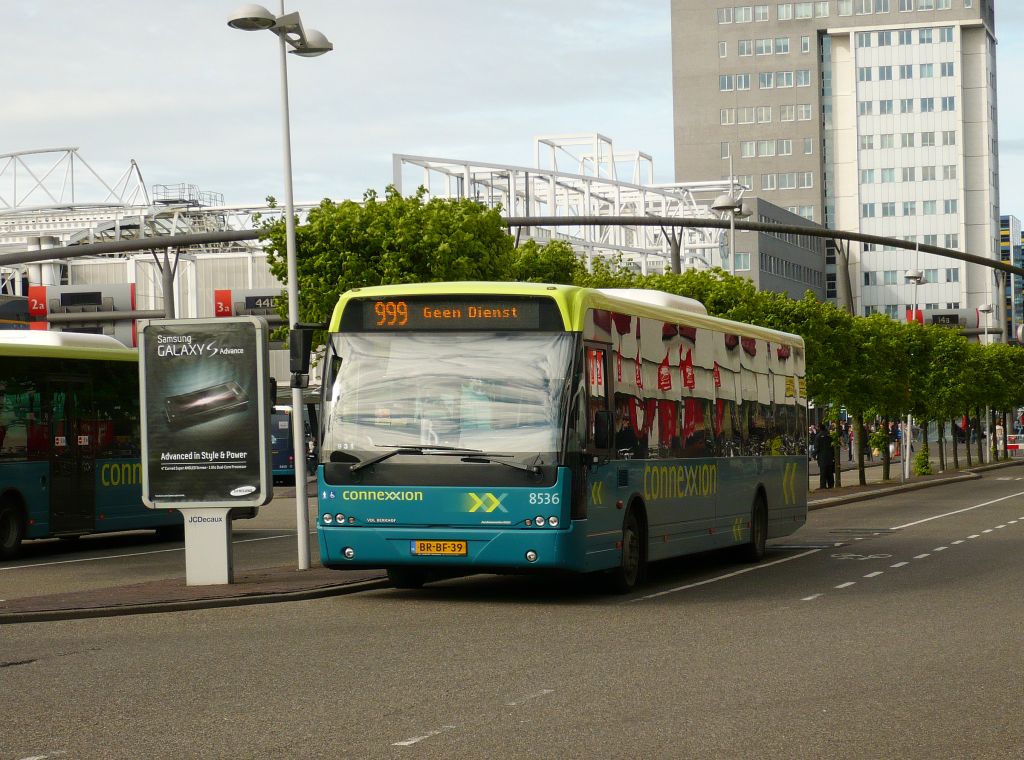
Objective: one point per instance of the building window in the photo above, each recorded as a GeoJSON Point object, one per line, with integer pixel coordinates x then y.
{"type": "Point", "coordinates": [763, 46]}
{"type": "Point", "coordinates": [744, 14]}
{"type": "Point", "coordinates": [907, 140]}
{"type": "Point", "coordinates": [785, 11]}
{"type": "Point", "coordinates": [927, 139]}
{"type": "Point", "coordinates": [949, 206]}
{"type": "Point", "coordinates": [949, 171]}
{"type": "Point", "coordinates": [805, 44]}
{"type": "Point", "coordinates": [745, 47]}
{"type": "Point", "coordinates": [863, 39]}
{"type": "Point", "coordinates": [728, 116]}
{"type": "Point", "coordinates": [787, 181]}
{"type": "Point", "coordinates": [949, 137]}
{"type": "Point", "coordinates": [747, 180]}
{"type": "Point", "coordinates": [784, 79]}
{"type": "Point", "coordinates": [821, 9]}
{"type": "Point", "coordinates": [871, 278]}
{"type": "Point", "coordinates": [803, 112]}
{"type": "Point", "coordinates": [725, 15]}
{"type": "Point", "coordinates": [884, 73]}
{"type": "Point", "coordinates": [909, 208]}
{"type": "Point", "coordinates": [906, 36]}
{"type": "Point", "coordinates": [909, 174]}
{"type": "Point", "coordinates": [906, 71]}
{"type": "Point", "coordinates": [787, 113]}
{"type": "Point", "coordinates": [867, 210]}
{"type": "Point", "coordinates": [906, 105]}
{"type": "Point", "coordinates": [724, 149]}
{"type": "Point", "coordinates": [765, 147]}
{"type": "Point", "coordinates": [808, 146]}
{"type": "Point", "coordinates": [882, 6]}
{"type": "Point", "coordinates": [725, 83]}
{"type": "Point", "coordinates": [928, 208]}
{"type": "Point", "coordinates": [845, 7]}
{"type": "Point", "coordinates": [888, 174]}
{"type": "Point", "coordinates": [952, 275]}
{"type": "Point", "coordinates": [741, 262]}
{"type": "Point", "coordinates": [927, 105]}
{"type": "Point", "coordinates": [761, 13]}
{"type": "Point", "coordinates": [767, 181]}
{"type": "Point", "coordinates": [764, 114]}
{"type": "Point", "coordinates": [747, 149]}
{"type": "Point", "coordinates": [952, 241]}
{"type": "Point", "coordinates": [803, 78]}
{"type": "Point", "coordinates": [924, 36]}
{"type": "Point", "coordinates": [723, 50]}
{"type": "Point", "coordinates": [805, 179]}
{"type": "Point", "coordinates": [803, 10]}
{"type": "Point", "coordinates": [743, 81]}
{"type": "Point", "coordinates": [889, 208]}
{"type": "Point", "coordinates": [869, 310]}
{"type": "Point", "coordinates": [863, 7]}
{"type": "Point", "coordinates": [926, 5]}
{"type": "Point", "coordinates": [865, 108]}
{"type": "Point", "coordinates": [784, 147]}
{"type": "Point", "coordinates": [863, 73]}
{"type": "Point", "coordinates": [948, 103]}
{"type": "Point", "coordinates": [906, 5]}
{"type": "Point", "coordinates": [892, 311]}
{"type": "Point", "coordinates": [887, 141]}
{"type": "Point", "coordinates": [946, 33]}
{"type": "Point", "coordinates": [765, 80]}
{"type": "Point", "coordinates": [781, 45]}
{"type": "Point", "coordinates": [927, 173]}
{"type": "Point", "coordinates": [926, 71]}
{"type": "Point", "coordinates": [884, 107]}
{"type": "Point", "coordinates": [889, 277]}
{"type": "Point", "coordinates": [746, 114]}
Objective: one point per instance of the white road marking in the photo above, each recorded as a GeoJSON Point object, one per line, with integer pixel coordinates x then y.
{"type": "Point", "coordinates": [940, 548]}
{"type": "Point", "coordinates": [987, 530]}
{"type": "Point", "coordinates": [974, 535]}
{"type": "Point", "coordinates": [899, 564]}
{"type": "Point", "coordinates": [416, 739]}
{"type": "Point", "coordinates": [874, 574]}
{"type": "Point", "coordinates": [847, 584]}
{"type": "Point", "coordinates": [133, 554]}
{"type": "Point", "coordinates": [1000, 526]}
{"type": "Point", "coordinates": [528, 697]}
{"type": "Point", "coordinates": [810, 598]}
{"type": "Point", "coordinates": [958, 541]}
{"type": "Point", "coordinates": [958, 511]}
{"type": "Point", "coordinates": [1013, 522]}
{"type": "Point", "coordinates": [922, 556]}
{"type": "Point", "coordinates": [723, 577]}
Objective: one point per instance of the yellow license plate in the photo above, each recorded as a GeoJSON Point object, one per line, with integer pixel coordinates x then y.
{"type": "Point", "coordinates": [440, 548]}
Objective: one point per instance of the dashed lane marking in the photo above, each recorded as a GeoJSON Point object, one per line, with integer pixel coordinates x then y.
{"type": "Point", "coordinates": [940, 548]}
{"type": "Point", "coordinates": [958, 541]}
{"type": "Point", "coordinates": [847, 584]}
{"type": "Point", "coordinates": [899, 564]}
{"type": "Point", "coordinates": [811, 598]}
{"type": "Point", "coordinates": [417, 739]}
{"type": "Point", "coordinates": [874, 574]}
{"type": "Point", "coordinates": [922, 556]}
{"type": "Point", "coordinates": [974, 535]}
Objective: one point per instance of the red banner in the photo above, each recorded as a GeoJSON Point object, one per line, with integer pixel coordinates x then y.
{"type": "Point", "coordinates": [664, 375]}
{"type": "Point", "coordinates": [686, 369]}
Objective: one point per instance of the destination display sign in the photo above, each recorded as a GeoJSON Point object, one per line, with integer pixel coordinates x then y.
{"type": "Point", "coordinates": [406, 314]}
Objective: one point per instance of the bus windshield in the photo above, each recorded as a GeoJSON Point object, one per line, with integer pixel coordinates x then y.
{"type": "Point", "coordinates": [496, 392]}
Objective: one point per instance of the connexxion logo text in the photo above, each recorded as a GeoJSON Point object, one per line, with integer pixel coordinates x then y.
{"type": "Point", "coordinates": [382, 495]}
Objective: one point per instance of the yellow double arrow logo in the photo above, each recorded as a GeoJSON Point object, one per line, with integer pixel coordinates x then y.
{"type": "Point", "coordinates": [737, 530]}
{"type": "Point", "coordinates": [597, 492]}
{"type": "Point", "coordinates": [488, 503]}
{"type": "Point", "coordinates": [789, 483]}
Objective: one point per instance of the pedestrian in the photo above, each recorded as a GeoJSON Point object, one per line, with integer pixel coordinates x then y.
{"type": "Point", "coordinates": [826, 457]}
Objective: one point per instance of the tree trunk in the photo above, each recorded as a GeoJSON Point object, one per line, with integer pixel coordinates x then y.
{"type": "Point", "coordinates": [980, 430]}
{"type": "Point", "coordinates": [967, 441]}
{"type": "Point", "coordinates": [1006, 451]}
{"type": "Point", "coordinates": [837, 454]}
{"type": "Point", "coordinates": [942, 444]}
{"type": "Point", "coordinates": [885, 449]}
{"type": "Point", "coordinates": [859, 441]}
{"type": "Point", "coordinates": [956, 444]}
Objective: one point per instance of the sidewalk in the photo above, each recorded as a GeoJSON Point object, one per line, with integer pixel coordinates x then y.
{"type": "Point", "coordinates": [278, 584]}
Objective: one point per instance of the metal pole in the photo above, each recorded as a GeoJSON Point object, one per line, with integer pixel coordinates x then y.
{"type": "Point", "coordinates": [298, 426]}
{"type": "Point", "coordinates": [988, 411]}
{"type": "Point", "coordinates": [732, 220]}
{"type": "Point", "coordinates": [167, 278]}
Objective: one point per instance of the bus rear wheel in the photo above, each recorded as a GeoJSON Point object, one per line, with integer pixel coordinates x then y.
{"type": "Point", "coordinates": [406, 577]}
{"type": "Point", "coordinates": [755, 550]}
{"type": "Point", "coordinates": [12, 531]}
{"type": "Point", "coordinates": [632, 563]}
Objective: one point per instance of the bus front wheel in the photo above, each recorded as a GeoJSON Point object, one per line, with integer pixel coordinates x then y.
{"type": "Point", "coordinates": [12, 531]}
{"type": "Point", "coordinates": [632, 562]}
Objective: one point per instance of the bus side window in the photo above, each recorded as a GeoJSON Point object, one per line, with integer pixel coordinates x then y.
{"type": "Point", "coordinates": [597, 387]}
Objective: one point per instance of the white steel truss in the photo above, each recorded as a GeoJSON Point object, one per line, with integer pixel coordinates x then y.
{"type": "Point", "coordinates": [578, 175]}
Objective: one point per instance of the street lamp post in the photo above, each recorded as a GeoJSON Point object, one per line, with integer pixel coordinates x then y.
{"type": "Point", "coordinates": [731, 204]}
{"type": "Point", "coordinates": [915, 277]}
{"type": "Point", "coordinates": [986, 309]}
{"type": "Point", "coordinates": [306, 43]}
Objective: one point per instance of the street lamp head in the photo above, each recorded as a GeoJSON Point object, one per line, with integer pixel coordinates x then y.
{"type": "Point", "coordinates": [743, 211]}
{"type": "Point", "coordinates": [985, 308]}
{"type": "Point", "coordinates": [726, 202]}
{"type": "Point", "coordinates": [251, 18]}
{"type": "Point", "coordinates": [914, 277]}
{"type": "Point", "coordinates": [314, 44]}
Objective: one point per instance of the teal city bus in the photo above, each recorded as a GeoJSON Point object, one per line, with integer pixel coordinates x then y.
{"type": "Point", "coordinates": [509, 427]}
{"type": "Point", "coordinates": [69, 439]}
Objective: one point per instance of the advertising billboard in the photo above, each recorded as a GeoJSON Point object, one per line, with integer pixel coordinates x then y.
{"type": "Point", "coordinates": [205, 413]}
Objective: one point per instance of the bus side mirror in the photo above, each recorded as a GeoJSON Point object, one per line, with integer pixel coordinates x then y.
{"type": "Point", "coordinates": [300, 344]}
{"type": "Point", "coordinates": [603, 429]}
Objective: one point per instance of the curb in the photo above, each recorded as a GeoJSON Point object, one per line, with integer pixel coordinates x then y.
{"type": "Point", "coordinates": [42, 616]}
{"type": "Point", "coordinates": [971, 474]}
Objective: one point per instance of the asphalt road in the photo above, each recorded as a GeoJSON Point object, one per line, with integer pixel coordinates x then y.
{"type": "Point", "coordinates": [902, 641]}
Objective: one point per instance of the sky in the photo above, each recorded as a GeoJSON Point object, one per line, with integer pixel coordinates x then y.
{"type": "Point", "coordinates": [191, 100]}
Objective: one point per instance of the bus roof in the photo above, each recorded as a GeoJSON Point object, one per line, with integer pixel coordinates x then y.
{"type": "Point", "coordinates": [574, 301]}
{"type": "Point", "coordinates": [63, 344]}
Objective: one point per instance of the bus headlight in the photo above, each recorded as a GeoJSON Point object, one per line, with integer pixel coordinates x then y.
{"type": "Point", "coordinates": [340, 518]}
{"type": "Point", "coordinates": [553, 521]}
{"type": "Point", "coordinates": [539, 521]}
{"type": "Point", "coordinates": [349, 552]}
{"type": "Point", "coordinates": [327, 519]}
{"type": "Point", "coordinates": [531, 556]}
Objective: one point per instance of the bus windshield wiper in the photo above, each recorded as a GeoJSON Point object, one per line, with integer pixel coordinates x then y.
{"type": "Point", "coordinates": [408, 450]}
{"type": "Point", "coordinates": [485, 458]}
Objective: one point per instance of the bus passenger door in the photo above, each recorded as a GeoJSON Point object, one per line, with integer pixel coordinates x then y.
{"type": "Point", "coordinates": [600, 482]}
{"type": "Point", "coordinates": [72, 458]}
